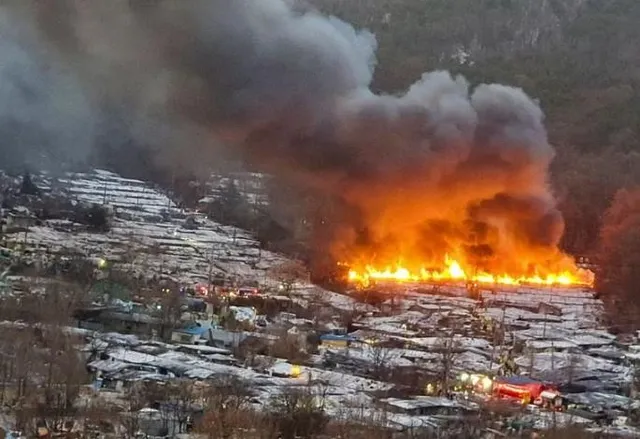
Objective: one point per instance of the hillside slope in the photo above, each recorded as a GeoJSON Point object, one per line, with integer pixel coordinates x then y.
{"type": "Point", "coordinates": [578, 57]}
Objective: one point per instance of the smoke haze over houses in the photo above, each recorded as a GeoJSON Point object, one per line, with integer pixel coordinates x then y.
{"type": "Point", "coordinates": [442, 166]}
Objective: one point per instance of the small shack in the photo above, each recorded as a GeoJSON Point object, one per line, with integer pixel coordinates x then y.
{"type": "Point", "coordinates": [191, 334]}
{"type": "Point", "coordinates": [336, 341]}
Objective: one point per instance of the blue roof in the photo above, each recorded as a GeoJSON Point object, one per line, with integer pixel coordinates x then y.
{"type": "Point", "coordinates": [334, 337]}
{"type": "Point", "coordinates": [193, 330]}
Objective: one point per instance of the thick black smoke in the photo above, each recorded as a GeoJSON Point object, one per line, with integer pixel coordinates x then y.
{"type": "Point", "coordinates": [289, 92]}
{"type": "Point", "coordinates": [45, 118]}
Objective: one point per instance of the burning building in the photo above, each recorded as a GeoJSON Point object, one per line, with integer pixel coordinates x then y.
{"type": "Point", "coordinates": [443, 181]}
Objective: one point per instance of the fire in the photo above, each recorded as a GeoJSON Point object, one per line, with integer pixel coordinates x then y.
{"type": "Point", "coordinates": [453, 271]}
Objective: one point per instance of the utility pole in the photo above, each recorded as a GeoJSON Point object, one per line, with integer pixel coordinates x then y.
{"type": "Point", "coordinates": [210, 278]}
{"type": "Point", "coordinates": [531, 360]}
{"type": "Point", "coordinates": [502, 332]}
{"type": "Point", "coordinates": [173, 189]}
{"type": "Point", "coordinates": [493, 349]}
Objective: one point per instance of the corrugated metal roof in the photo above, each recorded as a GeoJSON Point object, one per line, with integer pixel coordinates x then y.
{"type": "Point", "coordinates": [108, 365]}
{"type": "Point", "coordinates": [334, 337]}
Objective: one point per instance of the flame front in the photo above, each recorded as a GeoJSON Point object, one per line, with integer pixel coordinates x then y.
{"type": "Point", "coordinates": [453, 271]}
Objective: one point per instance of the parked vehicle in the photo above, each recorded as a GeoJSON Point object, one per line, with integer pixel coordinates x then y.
{"type": "Point", "coordinates": [528, 391]}
{"type": "Point", "coordinates": [245, 291]}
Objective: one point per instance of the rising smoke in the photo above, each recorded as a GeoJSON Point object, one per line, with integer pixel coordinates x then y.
{"type": "Point", "coordinates": [289, 93]}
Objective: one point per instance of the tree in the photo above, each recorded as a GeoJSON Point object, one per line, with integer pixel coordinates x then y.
{"type": "Point", "coordinates": [380, 356]}
{"type": "Point", "coordinates": [74, 268]}
{"type": "Point", "coordinates": [64, 374]}
{"type": "Point", "coordinates": [619, 255]}
{"type": "Point", "coordinates": [298, 412]}
{"type": "Point", "coordinates": [290, 347]}
{"type": "Point", "coordinates": [586, 185]}
{"type": "Point", "coordinates": [136, 398]}
{"type": "Point", "coordinates": [227, 408]}
{"type": "Point", "coordinates": [249, 349]}
{"type": "Point", "coordinates": [231, 207]}
{"type": "Point", "coordinates": [95, 216]}
{"type": "Point", "coordinates": [41, 371]}
{"type": "Point", "coordinates": [448, 348]}
{"type": "Point", "coordinates": [288, 273]}
{"type": "Point", "coordinates": [178, 399]}
{"type": "Point", "coordinates": [28, 187]}
{"type": "Point", "coordinates": [359, 423]}
{"type": "Point", "coordinates": [169, 305]}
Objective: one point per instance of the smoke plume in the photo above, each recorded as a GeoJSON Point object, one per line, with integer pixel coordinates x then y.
{"type": "Point", "coordinates": [440, 167]}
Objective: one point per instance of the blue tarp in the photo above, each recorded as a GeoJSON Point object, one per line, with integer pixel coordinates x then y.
{"type": "Point", "coordinates": [193, 330]}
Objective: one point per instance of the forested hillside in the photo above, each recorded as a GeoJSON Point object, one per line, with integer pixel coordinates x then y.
{"type": "Point", "coordinates": [579, 57]}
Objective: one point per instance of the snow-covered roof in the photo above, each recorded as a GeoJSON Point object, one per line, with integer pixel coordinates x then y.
{"type": "Point", "coordinates": [550, 344]}
{"type": "Point", "coordinates": [422, 402]}
{"type": "Point", "coordinates": [108, 366]}
{"type": "Point", "coordinates": [603, 400]}
{"type": "Point", "coordinates": [284, 368]}
{"type": "Point", "coordinates": [243, 313]}
{"type": "Point", "coordinates": [204, 349]}
{"type": "Point", "coordinates": [590, 340]}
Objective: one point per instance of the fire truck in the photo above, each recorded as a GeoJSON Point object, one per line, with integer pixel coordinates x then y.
{"type": "Point", "coordinates": [528, 391]}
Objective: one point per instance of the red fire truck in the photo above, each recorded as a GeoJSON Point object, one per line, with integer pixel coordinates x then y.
{"type": "Point", "coordinates": [528, 391]}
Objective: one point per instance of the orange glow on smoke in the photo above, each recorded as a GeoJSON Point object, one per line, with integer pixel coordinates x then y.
{"type": "Point", "coordinates": [453, 271]}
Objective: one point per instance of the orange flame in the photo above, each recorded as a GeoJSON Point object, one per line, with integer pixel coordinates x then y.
{"type": "Point", "coordinates": [454, 271]}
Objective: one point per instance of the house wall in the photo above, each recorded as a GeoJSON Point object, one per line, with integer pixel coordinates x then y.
{"type": "Point", "coordinates": [90, 325]}
{"type": "Point", "coordinates": [334, 343]}
{"type": "Point", "coordinates": [181, 337]}
{"type": "Point", "coordinates": [226, 339]}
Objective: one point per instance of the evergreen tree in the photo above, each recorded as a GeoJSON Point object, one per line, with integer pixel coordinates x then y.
{"type": "Point", "coordinates": [28, 187]}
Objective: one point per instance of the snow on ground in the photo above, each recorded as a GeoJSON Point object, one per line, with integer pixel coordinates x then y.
{"type": "Point", "coordinates": [306, 292]}
{"type": "Point", "coordinates": [457, 342]}
{"type": "Point", "coordinates": [251, 185]}
{"type": "Point", "coordinates": [559, 327]}
{"type": "Point", "coordinates": [128, 196]}
{"type": "Point", "coordinates": [345, 381]}
{"type": "Point", "coordinates": [549, 361]}
{"type": "Point", "coordinates": [148, 235]}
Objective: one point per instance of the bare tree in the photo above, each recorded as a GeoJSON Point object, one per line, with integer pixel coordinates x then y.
{"type": "Point", "coordinates": [573, 432]}
{"type": "Point", "coordinates": [64, 374]}
{"type": "Point", "coordinates": [227, 408]}
{"type": "Point", "coordinates": [169, 305]}
{"type": "Point", "coordinates": [249, 349]}
{"type": "Point", "coordinates": [136, 397]}
{"type": "Point", "coordinates": [573, 366]}
{"type": "Point", "coordinates": [298, 412]}
{"type": "Point", "coordinates": [362, 422]}
{"type": "Point", "coordinates": [99, 417]}
{"type": "Point", "coordinates": [289, 347]}
{"type": "Point", "coordinates": [448, 349]}
{"type": "Point", "coordinates": [42, 373]}
{"type": "Point", "coordinates": [178, 399]}
{"type": "Point", "coordinates": [288, 274]}
{"type": "Point", "coordinates": [380, 356]}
